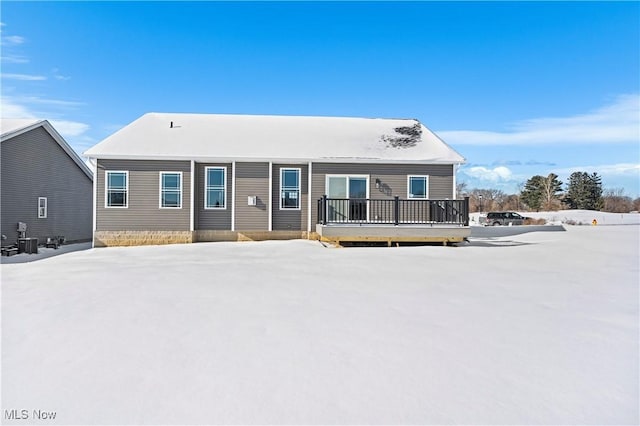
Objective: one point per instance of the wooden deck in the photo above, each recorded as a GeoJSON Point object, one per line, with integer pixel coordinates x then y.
{"type": "Point", "coordinates": [390, 234]}
{"type": "Point", "coordinates": [393, 220]}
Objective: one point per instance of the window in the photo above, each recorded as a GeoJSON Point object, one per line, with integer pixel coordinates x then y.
{"type": "Point", "coordinates": [42, 207]}
{"type": "Point", "coordinates": [117, 189]}
{"type": "Point", "coordinates": [171, 190]}
{"type": "Point", "coordinates": [289, 188]}
{"type": "Point", "coordinates": [418, 187]}
{"type": "Point", "coordinates": [215, 188]}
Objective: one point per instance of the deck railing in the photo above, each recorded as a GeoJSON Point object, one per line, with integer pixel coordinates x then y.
{"type": "Point", "coordinates": [392, 211]}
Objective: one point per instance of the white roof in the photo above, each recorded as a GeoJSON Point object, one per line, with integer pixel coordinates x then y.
{"type": "Point", "coordinates": [12, 127]}
{"type": "Point", "coordinates": [285, 138]}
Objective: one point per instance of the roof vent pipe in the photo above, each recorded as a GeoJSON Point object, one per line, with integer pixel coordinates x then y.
{"type": "Point", "coordinates": [171, 125]}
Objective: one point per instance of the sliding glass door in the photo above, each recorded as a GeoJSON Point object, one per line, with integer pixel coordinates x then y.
{"type": "Point", "coordinates": [347, 196]}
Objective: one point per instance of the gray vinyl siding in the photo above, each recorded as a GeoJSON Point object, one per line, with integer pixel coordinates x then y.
{"type": "Point", "coordinates": [289, 219]}
{"type": "Point", "coordinates": [252, 179]}
{"type": "Point", "coordinates": [393, 179]}
{"type": "Point", "coordinates": [212, 219]}
{"type": "Point", "coordinates": [34, 165]}
{"type": "Point", "coordinates": [144, 212]}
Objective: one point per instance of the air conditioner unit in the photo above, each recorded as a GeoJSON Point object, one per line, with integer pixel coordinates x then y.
{"type": "Point", "coordinates": [252, 200]}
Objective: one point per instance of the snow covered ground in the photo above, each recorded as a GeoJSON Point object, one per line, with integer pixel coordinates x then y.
{"type": "Point", "coordinates": [537, 328]}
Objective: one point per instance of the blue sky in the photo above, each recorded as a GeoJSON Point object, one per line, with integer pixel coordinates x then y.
{"type": "Point", "coordinates": [517, 88]}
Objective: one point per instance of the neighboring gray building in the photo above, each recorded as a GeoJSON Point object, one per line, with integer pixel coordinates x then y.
{"type": "Point", "coordinates": [169, 178]}
{"type": "Point", "coordinates": [43, 183]}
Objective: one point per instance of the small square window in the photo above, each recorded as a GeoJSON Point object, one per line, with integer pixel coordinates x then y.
{"type": "Point", "coordinates": [418, 187]}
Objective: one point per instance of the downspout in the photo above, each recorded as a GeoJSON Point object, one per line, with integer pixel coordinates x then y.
{"type": "Point", "coordinates": [192, 194]}
{"type": "Point", "coordinates": [309, 199]}
{"type": "Point", "coordinates": [94, 165]}
{"type": "Point", "coordinates": [233, 196]}
{"type": "Point", "coordinates": [455, 172]}
{"type": "Point", "coordinates": [270, 226]}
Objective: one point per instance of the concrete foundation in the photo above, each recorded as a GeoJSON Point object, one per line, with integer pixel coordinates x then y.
{"type": "Point", "coordinates": [208, 236]}
{"type": "Point", "coordinates": [140, 238]}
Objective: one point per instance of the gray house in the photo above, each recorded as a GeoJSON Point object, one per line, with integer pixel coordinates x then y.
{"type": "Point", "coordinates": [44, 183]}
{"type": "Point", "coordinates": [169, 178]}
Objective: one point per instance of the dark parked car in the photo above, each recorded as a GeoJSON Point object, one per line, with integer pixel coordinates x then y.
{"type": "Point", "coordinates": [503, 218]}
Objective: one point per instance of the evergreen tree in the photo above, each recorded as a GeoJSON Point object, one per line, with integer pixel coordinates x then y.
{"type": "Point", "coordinates": [595, 192]}
{"type": "Point", "coordinates": [542, 192]}
{"type": "Point", "coordinates": [532, 193]}
{"type": "Point", "coordinates": [584, 191]}
{"type": "Point", "coordinates": [576, 190]}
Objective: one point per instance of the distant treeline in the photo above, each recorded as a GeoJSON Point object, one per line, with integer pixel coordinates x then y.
{"type": "Point", "coordinates": [582, 191]}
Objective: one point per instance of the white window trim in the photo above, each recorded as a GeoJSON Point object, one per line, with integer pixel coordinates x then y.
{"type": "Point", "coordinates": [426, 187]}
{"type": "Point", "coordinates": [225, 186]}
{"type": "Point", "coordinates": [106, 189]}
{"type": "Point", "coordinates": [299, 170]}
{"type": "Point", "coordinates": [43, 216]}
{"type": "Point", "coordinates": [160, 191]}
{"type": "Point", "coordinates": [367, 177]}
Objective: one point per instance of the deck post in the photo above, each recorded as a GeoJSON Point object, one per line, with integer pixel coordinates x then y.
{"type": "Point", "coordinates": [396, 210]}
{"type": "Point", "coordinates": [324, 209]}
{"type": "Point", "coordinates": [465, 211]}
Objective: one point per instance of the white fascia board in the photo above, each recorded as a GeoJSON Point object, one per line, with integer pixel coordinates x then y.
{"type": "Point", "coordinates": [272, 159]}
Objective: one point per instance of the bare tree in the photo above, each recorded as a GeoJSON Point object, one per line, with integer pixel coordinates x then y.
{"type": "Point", "coordinates": [542, 192]}
{"type": "Point", "coordinates": [461, 189]}
{"type": "Point", "coordinates": [550, 188]}
{"type": "Point", "coordinates": [616, 202]}
{"type": "Point", "coordinates": [511, 202]}
{"type": "Point", "coordinates": [484, 200]}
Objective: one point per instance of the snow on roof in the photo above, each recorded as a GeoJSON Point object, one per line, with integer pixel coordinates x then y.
{"type": "Point", "coordinates": [261, 137]}
{"type": "Point", "coordinates": [12, 127]}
